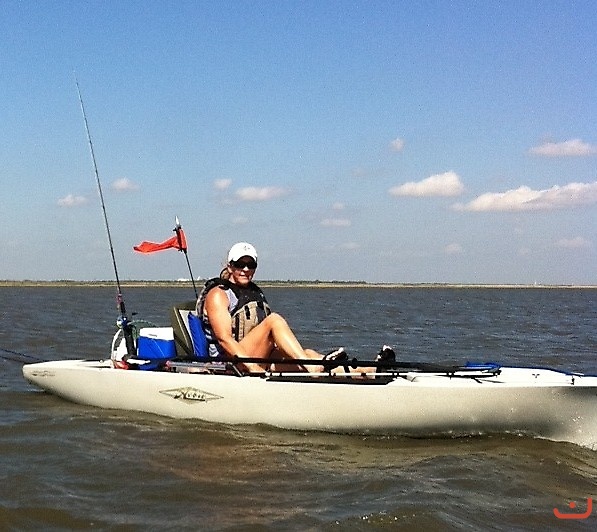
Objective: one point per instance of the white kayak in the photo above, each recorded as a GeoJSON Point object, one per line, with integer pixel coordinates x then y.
{"type": "Point", "coordinates": [422, 402]}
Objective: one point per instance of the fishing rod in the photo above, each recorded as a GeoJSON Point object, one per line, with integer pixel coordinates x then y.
{"type": "Point", "coordinates": [123, 321]}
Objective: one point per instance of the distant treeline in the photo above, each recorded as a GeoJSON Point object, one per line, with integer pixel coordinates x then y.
{"type": "Point", "coordinates": [170, 283]}
{"type": "Point", "coordinates": [275, 283]}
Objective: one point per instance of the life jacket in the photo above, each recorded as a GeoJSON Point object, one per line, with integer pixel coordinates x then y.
{"type": "Point", "coordinates": [247, 308]}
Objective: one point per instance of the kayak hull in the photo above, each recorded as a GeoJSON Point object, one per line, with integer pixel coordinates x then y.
{"type": "Point", "coordinates": [538, 402]}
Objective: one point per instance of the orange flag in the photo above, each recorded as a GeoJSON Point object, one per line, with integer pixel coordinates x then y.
{"type": "Point", "coordinates": [178, 242]}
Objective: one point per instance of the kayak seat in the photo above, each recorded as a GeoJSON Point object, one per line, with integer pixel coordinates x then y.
{"type": "Point", "coordinates": [189, 338]}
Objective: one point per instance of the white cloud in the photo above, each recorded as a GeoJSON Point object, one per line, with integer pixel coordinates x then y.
{"type": "Point", "coordinates": [350, 246]}
{"type": "Point", "coordinates": [72, 201]}
{"type": "Point", "coordinates": [260, 193]}
{"type": "Point", "coordinates": [397, 145]}
{"type": "Point", "coordinates": [124, 184]}
{"type": "Point", "coordinates": [240, 220]}
{"type": "Point", "coordinates": [453, 249]}
{"type": "Point", "coordinates": [360, 173]}
{"type": "Point", "coordinates": [446, 184]}
{"type": "Point", "coordinates": [568, 148]}
{"type": "Point", "coordinates": [338, 206]}
{"type": "Point", "coordinates": [573, 243]}
{"type": "Point", "coordinates": [335, 222]}
{"type": "Point", "coordinates": [222, 184]}
{"type": "Point", "coordinates": [527, 199]}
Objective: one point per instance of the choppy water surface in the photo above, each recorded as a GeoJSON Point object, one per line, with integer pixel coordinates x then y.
{"type": "Point", "coordinates": [67, 466]}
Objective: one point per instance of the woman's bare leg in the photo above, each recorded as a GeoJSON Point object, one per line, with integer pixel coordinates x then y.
{"type": "Point", "coordinates": [274, 333]}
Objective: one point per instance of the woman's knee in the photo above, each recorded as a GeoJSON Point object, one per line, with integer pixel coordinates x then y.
{"type": "Point", "coordinates": [265, 330]}
{"type": "Point", "coordinates": [275, 320]}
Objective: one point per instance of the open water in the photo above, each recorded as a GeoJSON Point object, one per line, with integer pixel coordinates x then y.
{"type": "Point", "coordinates": [70, 467]}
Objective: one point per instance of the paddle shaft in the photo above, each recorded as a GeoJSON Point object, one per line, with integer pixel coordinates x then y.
{"type": "Point", "coordinates": [353, 363]}
{"type": "Point", "coordinates": [23, 358]}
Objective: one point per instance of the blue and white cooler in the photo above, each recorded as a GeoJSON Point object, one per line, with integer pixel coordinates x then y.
{"type": "Point", "coordinates": [154, 346]}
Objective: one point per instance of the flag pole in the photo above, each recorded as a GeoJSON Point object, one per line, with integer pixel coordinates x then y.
{"type": "Point", "coordinates": [182, 246]}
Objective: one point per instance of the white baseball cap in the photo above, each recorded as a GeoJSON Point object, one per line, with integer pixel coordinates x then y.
{"type": "Point", "coordinates": [242, 249]}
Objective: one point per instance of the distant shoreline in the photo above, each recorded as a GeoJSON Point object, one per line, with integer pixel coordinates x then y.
{"type": "Point", "coordinates": [283, 284]}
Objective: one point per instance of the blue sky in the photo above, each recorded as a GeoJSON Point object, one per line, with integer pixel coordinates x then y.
{"type": "Point", "coordinates": [381, 141]}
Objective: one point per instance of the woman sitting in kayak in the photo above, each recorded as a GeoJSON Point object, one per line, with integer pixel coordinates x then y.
{"type": "Point", "coordinates": [238, 321]}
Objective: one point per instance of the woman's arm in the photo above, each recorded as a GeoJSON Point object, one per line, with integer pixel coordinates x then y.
{"type": "Point", "coordinates": [216, 308]}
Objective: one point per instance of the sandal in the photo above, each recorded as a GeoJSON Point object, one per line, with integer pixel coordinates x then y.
{"type": "Point", "coordinates": [336, 355]}
{"type": "Point", "coordinates": [386, 354]}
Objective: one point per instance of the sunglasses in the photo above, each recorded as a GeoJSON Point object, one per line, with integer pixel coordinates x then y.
{"type": "Point", "coordinates": [242, 264]}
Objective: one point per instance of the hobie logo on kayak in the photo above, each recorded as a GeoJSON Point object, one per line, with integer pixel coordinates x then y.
{"type": "Point", "coordinates": [191, 394]}
{"type": "Point", "coordinates": [575, 515]}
